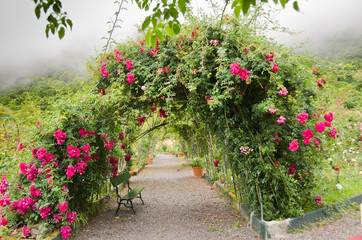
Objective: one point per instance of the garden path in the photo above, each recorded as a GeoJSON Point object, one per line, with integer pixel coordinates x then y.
{"type": "Point", "coordinates": [180, 206]}
{"type": "Point", "coordinates": [177, 206]}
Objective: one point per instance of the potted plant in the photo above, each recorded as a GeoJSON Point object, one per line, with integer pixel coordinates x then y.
{"type": "Point", "coordinates": [149, 159]}
{"type": "Point", "coordinates": [180, 154]}
{"type": "Point", "coordinates": [197, 167]}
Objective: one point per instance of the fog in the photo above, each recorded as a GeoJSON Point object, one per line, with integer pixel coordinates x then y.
{"type": "Point", "coordinates": [25, 50]}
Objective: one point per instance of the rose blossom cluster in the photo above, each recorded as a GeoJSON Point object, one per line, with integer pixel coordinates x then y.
{"type": "Point", "coordinates": [244, 73]}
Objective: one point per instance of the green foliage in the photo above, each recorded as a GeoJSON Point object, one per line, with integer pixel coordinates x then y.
{"type": "Point", "coordinates": [57, 19]}
{"type": "Point", "coordinates": [196, 162]}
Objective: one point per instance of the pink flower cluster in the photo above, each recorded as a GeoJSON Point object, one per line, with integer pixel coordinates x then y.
{"type": "Point", "coordinates": [45, 157]}
{"type": "Point", "coordinates": [283, 92]}
{"type": "Point", "coordinates": [244, 73]}
{"type": "Point", "coordinates": [302, 118]}
{"type": "Point", "coordinates": [85, 148]}
{"type": "Point", "coordinates": [117, 55]}
{"type": "Point", "coordinates": [293, 146]}
{"type": "Point", "coordinates": [22, 205]}
{"type": "Point", "coordinates": [281, 120]}
{"type": "Point", "coordinates": [85, 133]}
{"type": "Point", "coordinates": [127, 157]}
{"type": "Point", "coordinates": [60, 136]}
{"type": "Point", "coordinates": [3, 221]}
{"type": "Point", "coordinates": [130, 78]}
{"type": "Point", "coordinates": [114, 165]}
{"type": "Point", "coordinates": [104, 72]}
{"type": "Point", "coordinates": [26, 231]}
{"type": "Point", "coordinates": [318, 200]}
{"type": "Point", "coordinates": [321, 82]}
{"type": "Point", "coordinates": [246, 150]}
{"type": "Point", "coordinates": [292, 169]}
{"type": "Point", "coordinates": [129, 64]}
{"type": "Point", "coordinates": [30, 171]}
{"type": "Point", "coordinates": [70, 171]}
{"type": "Point", "coordinates": [71, 216]}
{"type": "Point", "coordinates": [164, 70]}
{"type": "Point", "coordinates": [216, 163]}
{"type": "Point", "coordinates": [307, 135]}
{"type": "Point", "coordinates": [5, 201]}
{"type": "Point", "coordinates": [162, 113]}
{"type": "Point", "coordinates": [63, 207]}
{"type": "Point", "coordinates": [57, 218]}
{"type": "Point", "coordinates": [153, 52]}
{"type": "Point", "coordinates": [80, 167]}
{"type": "Point", "coordinates": [65, 231]}
{"type": "Point", "coordinates": [109, 145]}
{"type": "Point", "coordinates": [35, 192]}
{"type": "Point", "coordinates": [73, 151]}
{"type": "Point", "coordinates": [45, 212]}
{"type": "Point", "coordinates": [141, 120]}
{"type": "Point", "coordinates": [270, 57]}
{"type": "Point", "coordinates": [216, 42]}
{"type": "Point", "coordinates": [4, 184]}
{"type": "Point", "coordinates": [275, 68]}
{"type": "Point", "coordinates": [276, 139]}
{"type": "Point", "coordinates": [272, 110]}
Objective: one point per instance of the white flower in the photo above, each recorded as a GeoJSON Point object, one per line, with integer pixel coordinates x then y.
{"type": "Point", "coordinates": [339, 186]}
{"type": "Point", "coordinates": [357, 152]}
{"type": "Point", "coordinates": [330, 159]}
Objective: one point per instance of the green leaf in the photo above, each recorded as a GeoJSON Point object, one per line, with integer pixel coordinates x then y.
{"type": "Point", "coordinates": [52, 28]}
{"type": "Point", "coordinates": [70, 23]}
{"type": "Point", "coordinates": [47, 31]}
{"type": "Point", "coordinates": [176, 28]}
{"type": "Point", "coordinates": [154, 21]}
{"type": "Point", "coordinates": [166, 13]}
{"type": "Point", "coordinates": [174, 13]}
{"type": "Point", "coordinates": [46, 6]}
{"type": "Point", "coordinates": [182, 5]}
{"type": "Point", "coordinates": [237, 10]}
{"type": "Point", "coordinates": [56, 8]}
{"type": "Point", "coordinates": [61, 32]}
{"type": "Point", "coordinates": [246, 6]}
{"type": "Point", "coordinates": [37, 11]}
{"type": "Point", "coordinates": [146, 22]}
{"type": "Point", "coordinates": [295, 5]}
{"type": "Point", "coordinates": [169, 28]}
{"type": "Point", "coordinates": [283, 2]}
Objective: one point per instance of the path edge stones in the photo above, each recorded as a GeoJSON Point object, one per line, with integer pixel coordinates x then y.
{"type": "Point", "coordinates": [279, 229]}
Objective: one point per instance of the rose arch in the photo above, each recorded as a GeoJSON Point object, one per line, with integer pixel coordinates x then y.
{"type": "Point", "coordinates": [241, 93]}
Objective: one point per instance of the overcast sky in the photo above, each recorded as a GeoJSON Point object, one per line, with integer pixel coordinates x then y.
{"type": "Point", "coordinates": [25, 50]}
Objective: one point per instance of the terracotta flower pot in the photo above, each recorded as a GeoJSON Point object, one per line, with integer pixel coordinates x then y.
{"type": "Point", "coordinates": [169, 153]}
{"type": "Point", "coordinates": [180, 154]}
{"type": "Point", "coordinates": [149, 160]}
{"type": "Point", "coordinates": [131, 172]}
{"type": "Point", "coordinates": [198, 171]}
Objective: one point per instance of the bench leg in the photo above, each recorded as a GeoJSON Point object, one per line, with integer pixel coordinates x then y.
{"type": "Point", "coordinates": [132, 207]}
{"type": "Point", "coordinates": [119, 204]}
{"type": "Point", "coordinates": [141, 199]}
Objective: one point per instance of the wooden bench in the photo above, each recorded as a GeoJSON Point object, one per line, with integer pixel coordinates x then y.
{"type": "Point", "coordinates": [126, 200]}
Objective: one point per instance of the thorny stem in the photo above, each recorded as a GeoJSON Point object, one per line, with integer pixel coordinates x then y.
{"type": "Point", "coordinates": [114, 26]}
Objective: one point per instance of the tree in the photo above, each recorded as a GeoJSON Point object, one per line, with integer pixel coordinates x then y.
{"type": "Point", "coordinates": [164, 17]}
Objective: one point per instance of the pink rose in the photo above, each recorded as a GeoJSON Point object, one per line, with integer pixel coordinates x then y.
{"type": "Point", "coordinates": [320, 126]}
{"type": "Point", "coordinates": [293, 146]}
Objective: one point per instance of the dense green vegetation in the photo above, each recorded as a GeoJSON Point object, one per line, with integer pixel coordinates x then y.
{"type": "Point", "coordinates": [215, 88]}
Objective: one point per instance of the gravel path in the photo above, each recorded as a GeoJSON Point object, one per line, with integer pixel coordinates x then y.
{"type": "Point", "coordinates": [177, 206]}
{"type": "Point", "coordinates": [180, 206]}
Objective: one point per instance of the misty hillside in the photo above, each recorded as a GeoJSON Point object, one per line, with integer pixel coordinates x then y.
{"type": "Point", "coordinates": [343, 46]}
{"type": "Point", "coordinates": [41, 91]}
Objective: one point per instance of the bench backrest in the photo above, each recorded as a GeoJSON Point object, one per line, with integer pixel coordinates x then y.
{"type": "Point", "coordinates": [120, 178]}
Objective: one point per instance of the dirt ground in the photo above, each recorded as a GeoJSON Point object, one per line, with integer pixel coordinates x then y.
{"type": "Point", "coordinates": [180, 206]}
